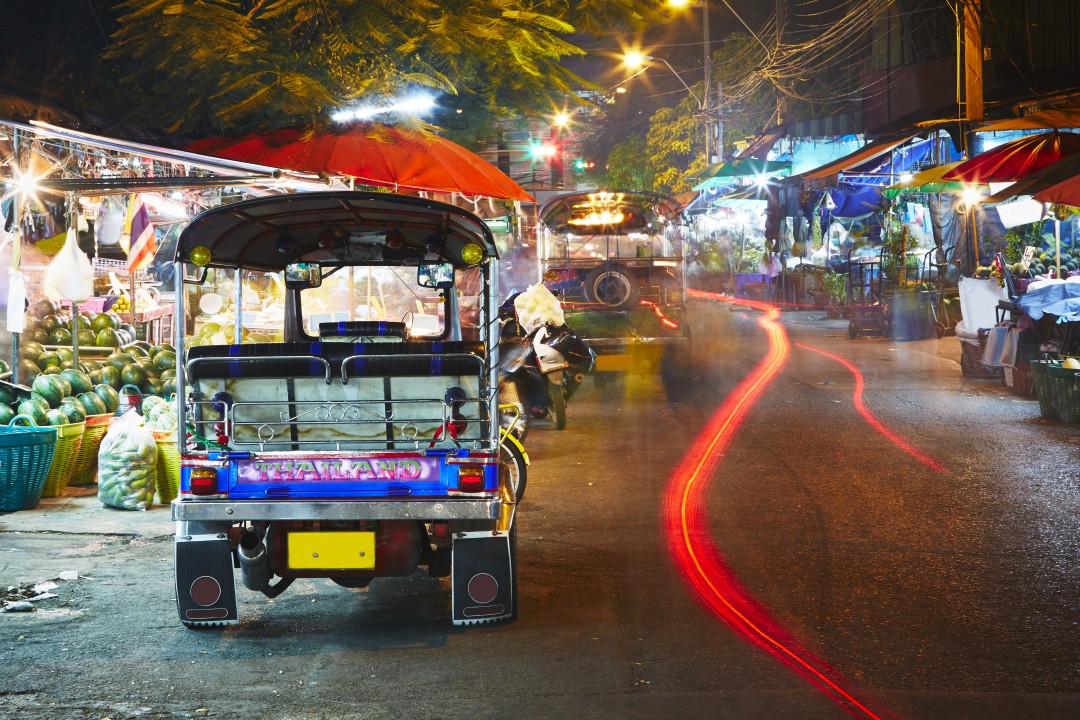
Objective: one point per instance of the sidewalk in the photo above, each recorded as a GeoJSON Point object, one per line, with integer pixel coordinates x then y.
{"type": "Point", "coordinates": [79, 512]}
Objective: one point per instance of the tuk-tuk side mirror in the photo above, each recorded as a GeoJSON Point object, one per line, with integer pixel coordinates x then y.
{"type": "Point", "coordinates": [438, 275]}
{"type": "Point", "coordinates": [301, 276]}
{"type": "Point", "coordinates": [194, 274]}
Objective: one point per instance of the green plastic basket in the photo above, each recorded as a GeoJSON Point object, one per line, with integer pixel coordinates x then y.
{"type": "Point", "coordinates": [1041, 370]}
{"type": "Point", "coordinates": [68, 441]}
{"type": "Point", "coordinates": [26, 454]}
{"type": "Point", "coordinates": [1063, 387]}
{"type": "Point", "coordinates": [168, 467]}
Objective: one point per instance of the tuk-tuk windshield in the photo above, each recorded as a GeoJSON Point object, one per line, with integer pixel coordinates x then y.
{"type": "Point", "coordinates": [602, 225]}
{"type": "Point", "coordinates": [378, 293]}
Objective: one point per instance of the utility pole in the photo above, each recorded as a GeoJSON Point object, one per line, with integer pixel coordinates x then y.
{"type": "Point", "coordinates": [706, 49]}
{"type": "Point", "coordinates": [781, 18]}
{"type": "Point", "coordinates": [973, 61]}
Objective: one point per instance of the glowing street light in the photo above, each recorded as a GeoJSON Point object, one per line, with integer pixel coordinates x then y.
{"type": "Point", "coordinates": [412, 104]}
{"type": "Point", "coordinates": [635, 60]}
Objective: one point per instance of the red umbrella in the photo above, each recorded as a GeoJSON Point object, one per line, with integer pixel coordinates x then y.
{"type": "Point", "coordinates": [1066, 192]}
{"type": "Point", "coordinates": [374, 154]}
{"type": "Point", "coordinates": [1017, 159]}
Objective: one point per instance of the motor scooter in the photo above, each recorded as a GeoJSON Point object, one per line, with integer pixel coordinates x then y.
{"type": "Point", "coordinates": [541, 371]}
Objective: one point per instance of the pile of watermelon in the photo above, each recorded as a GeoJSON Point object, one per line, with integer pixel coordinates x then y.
{"type": "Point", "coordinates": [48, 324]}
{"type": "Point", "coordinates": [61, 393]}
{"type": "Point", "coordinates": [67, 396]}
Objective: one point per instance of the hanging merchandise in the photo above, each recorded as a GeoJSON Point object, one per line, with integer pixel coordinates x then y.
{"type": "Point", "coordinates": [16, 301]}
{"type": "Point", "coordinates": [70, 276]}
{"type": "Point", "coordinates": [110, 222]}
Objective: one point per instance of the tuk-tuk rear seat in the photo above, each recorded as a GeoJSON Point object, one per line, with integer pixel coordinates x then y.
{"type": "Point", "coordinates": [327, 359]}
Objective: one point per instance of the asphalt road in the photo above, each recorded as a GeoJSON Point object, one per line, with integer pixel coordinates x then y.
{"type": "Point", "coordinates": [924, 594]}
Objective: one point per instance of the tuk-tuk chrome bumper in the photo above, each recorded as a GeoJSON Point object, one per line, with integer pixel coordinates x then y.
{"type": "Point", "coordinates": [231, 511]}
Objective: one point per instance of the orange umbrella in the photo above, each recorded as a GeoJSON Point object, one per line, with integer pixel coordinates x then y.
{"type": "Point", "coordinates": [1017, 159]}
{"type": "Point", "coordinates": [374, 154]}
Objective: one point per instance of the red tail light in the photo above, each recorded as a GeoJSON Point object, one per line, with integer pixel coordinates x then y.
{"type": "Point", "coordinates": [203, 481]}
{"type": "Point", "coordinates": [471, 478]}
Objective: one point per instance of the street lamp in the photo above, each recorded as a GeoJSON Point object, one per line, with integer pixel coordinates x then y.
{"type": "Point", "coordinates": [634, 60]}
{"type": "Point", "coordinates": [707, 57]}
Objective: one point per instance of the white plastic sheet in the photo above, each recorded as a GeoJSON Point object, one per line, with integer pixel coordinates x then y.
{"type": "Point", "coordinates": [978, 303]}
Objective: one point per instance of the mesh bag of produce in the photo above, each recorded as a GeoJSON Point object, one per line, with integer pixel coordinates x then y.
{"type": "Point", "coordinates": [127, 464]}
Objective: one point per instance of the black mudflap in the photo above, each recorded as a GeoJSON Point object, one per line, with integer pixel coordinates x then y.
{"type": "Point", "coordinates": [484, 578]}
{"type": "Point", "coordinates": [205, 592]}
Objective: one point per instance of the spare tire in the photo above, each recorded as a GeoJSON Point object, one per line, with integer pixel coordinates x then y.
{"type": "Point", "coordinates": [612, 286]}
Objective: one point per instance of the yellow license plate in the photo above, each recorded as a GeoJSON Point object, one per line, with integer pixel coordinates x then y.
{"type": "Point", "coordinates": [612, 363]}
{"type": "Point", "coordinates": [331, 550]}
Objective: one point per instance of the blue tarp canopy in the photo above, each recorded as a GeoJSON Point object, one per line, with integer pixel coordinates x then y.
{"type": "Point", "coordinates": [1056, 297]}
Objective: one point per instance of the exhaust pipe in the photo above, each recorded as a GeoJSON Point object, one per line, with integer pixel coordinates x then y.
{"type": "Point", "coordinates": [255, 566]}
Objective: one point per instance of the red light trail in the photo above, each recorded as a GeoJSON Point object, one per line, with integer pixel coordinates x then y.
{"type": "Point", "coordinates": [685, 524]}
{"type": "Point", "coordinates": [888, 433]}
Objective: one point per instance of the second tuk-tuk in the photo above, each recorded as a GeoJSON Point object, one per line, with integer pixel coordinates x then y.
{"type": "Point", "coordinates": [616, 259]}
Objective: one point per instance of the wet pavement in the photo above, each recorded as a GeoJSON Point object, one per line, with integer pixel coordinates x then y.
{"type": "Point", "coordinates": [931, 595]}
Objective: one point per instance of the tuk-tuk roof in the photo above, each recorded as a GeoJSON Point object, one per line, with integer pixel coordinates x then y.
{"type": "Point", "coordinates": [334, 228]}
{"type": "Point", "coordinates": [557, 213]}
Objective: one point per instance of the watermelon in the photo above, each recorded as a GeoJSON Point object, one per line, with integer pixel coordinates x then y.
{"type": "Point", "coordinates": [87, 338]}
{"type": "Point", "coordinates": [81, 322]}
{"type": "Point", "coordinates": [73, 409]}
{"type": "Point", "coordinates": [152, 386]}
{"type": "Point", "coordinates": [52, 370]}
{"type": "Point", "coordinates": [50, 323]}
{"type": "Point", "coordinates": [92, 403]}
{"type": "Point", "coordinates": [4, 367]}
{"type": "Point", "coordinates": [49, 358]}
{"type": "Point", "coordinates": [137, 351]}
{"type": "Point", "coordinates": [80, 381]}
{"type": "Point", "coordinates": [6, 413]}
{"type": "Point", "coordinates": [31, 350]}
{"type": "Point", "coordinates": [133, 374]}
{"type": "Point", "coordinates": [56, 417]}
{"type": "Point", "coordinates": [108, 337]}
{"type": "Point", "coordinates": [51, 387]}
{"type": "Point", "coordinates": [44, 307]}
{"type": "Point", "coordinates": [34, 410]}
{"type": "Point", "coordinates": [8, 394]}
{"type": "Point", "coordinates": [104, 321]}
{"type": "Point", "coordinates": [111, 377]}
{"type": "Point", "coordinates": [109, 396]}
{"type": "Point", "coordinates": [35, 334]}
{"type": "Point", "coordinates": [28, 370]}
{"type": "Point", "coordinates": [118, 360]}
{"type": "Point", "coordinates": [165, 360]}
{"type": "Point", "coordinates": [66, 354]}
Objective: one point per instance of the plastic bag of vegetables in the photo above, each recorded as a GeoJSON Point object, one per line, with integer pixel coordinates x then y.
{"type": "Point", "coordinates": [127, 464]}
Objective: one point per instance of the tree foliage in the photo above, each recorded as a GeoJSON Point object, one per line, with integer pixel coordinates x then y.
{"type": "Point", "coordinates": [251, 64]}
{"type": "Point", "coordinates": [628, 167]}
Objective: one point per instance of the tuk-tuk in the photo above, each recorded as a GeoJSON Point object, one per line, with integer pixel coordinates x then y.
{"type": "Point", "coordinates": [352, 430]}
{"type": "Point", "coordinates": [616, 259]}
